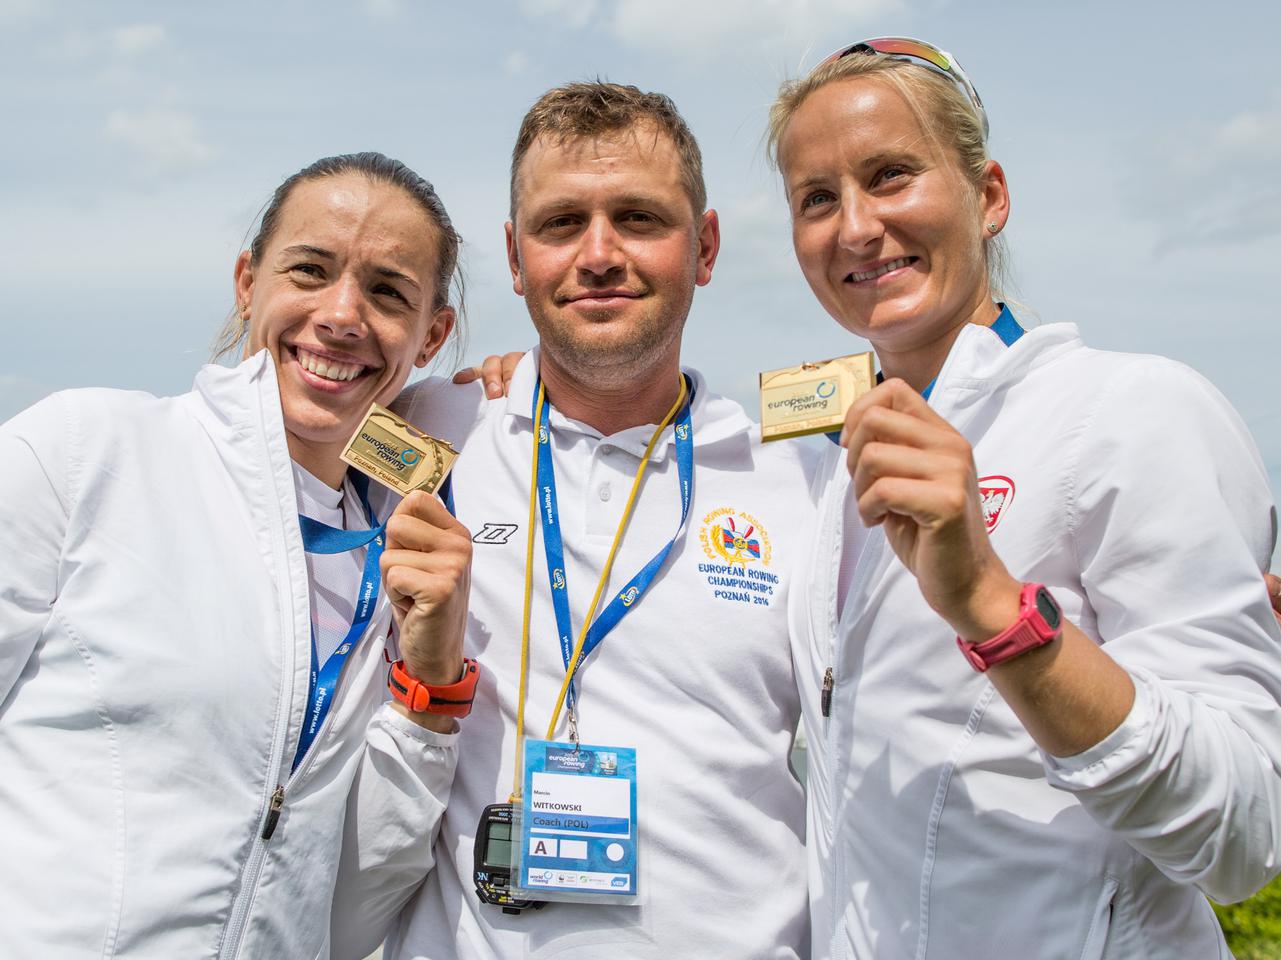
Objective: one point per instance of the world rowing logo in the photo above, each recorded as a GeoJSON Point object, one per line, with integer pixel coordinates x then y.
{"type": "Point", "coordinates": [734, 537]}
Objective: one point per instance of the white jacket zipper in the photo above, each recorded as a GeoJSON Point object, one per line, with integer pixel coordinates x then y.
{"type": "Point", "coordinates": [273, 797]}
{"type": "Point", "coordinates": [868, 558]}
{"type": "Point", "coordinates": [272, 801]}
{"type": "Point", "coordinates": [275, 806]}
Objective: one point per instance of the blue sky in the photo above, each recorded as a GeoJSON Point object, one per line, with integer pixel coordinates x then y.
{"type": "Point", "coordinates": [1142, 142]}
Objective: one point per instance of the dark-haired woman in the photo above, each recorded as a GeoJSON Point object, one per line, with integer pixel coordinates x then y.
{"type": "Point", "coordinates": [192, 618]}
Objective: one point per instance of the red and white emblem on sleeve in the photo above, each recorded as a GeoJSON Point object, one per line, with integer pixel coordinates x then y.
{"type": "Point", "coordinates": [995, 496]}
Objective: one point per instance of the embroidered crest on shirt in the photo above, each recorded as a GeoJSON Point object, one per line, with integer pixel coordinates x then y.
{"type": "Point", "coordinates": [996, 493]}
{"type": "Point", "coordinates": [739, 554]}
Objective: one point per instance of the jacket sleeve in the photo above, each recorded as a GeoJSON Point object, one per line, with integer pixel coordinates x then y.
{"type": "Point", "coordinates": [33, 525]}
{"type": "Point", "coordinates": [393, 816]}
{"type": "Point", "coordinates": [1173, 523]}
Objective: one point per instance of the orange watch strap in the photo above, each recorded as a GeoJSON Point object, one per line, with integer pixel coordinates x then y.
{"type": "Point", "coordinates": [451, 700]}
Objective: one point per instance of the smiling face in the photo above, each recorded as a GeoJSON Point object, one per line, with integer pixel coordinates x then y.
{"type": "Point", "coordinates": [887, 230]}
{"type": "Point", "coordinates": [606, 249]}
{"type": "Point", "coordinates": [343, 299]}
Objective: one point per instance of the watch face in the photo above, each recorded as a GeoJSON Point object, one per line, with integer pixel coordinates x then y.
{"type": "Point", "coordinates": [1048, 609]}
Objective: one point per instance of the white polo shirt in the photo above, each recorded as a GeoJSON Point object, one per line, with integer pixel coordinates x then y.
{"type": "Point", "coordinates": [697, 677]}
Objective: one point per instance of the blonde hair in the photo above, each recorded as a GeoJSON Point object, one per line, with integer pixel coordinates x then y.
{"type": "Point", "coordinates": [589, 109]}
{"type": "Point", "coordinates": [943, 111]}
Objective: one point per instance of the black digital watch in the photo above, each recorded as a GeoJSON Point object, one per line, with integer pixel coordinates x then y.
{"type": "Point", "coordinates": [492, 860]}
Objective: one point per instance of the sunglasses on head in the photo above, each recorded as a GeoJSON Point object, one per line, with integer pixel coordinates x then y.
{"type": "Point", "coordinates": [907, 48]}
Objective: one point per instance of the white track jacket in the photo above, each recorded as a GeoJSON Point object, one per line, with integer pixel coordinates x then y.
{"type": "Point", "coordinates": [937, 829]}
{"type": "Point", "coordinates": [154, 659]}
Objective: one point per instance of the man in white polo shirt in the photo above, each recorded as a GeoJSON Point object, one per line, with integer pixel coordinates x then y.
{"type": "Point", "coordinates": [687, 663]}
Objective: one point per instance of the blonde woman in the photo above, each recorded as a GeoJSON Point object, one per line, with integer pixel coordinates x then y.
{"type": "Point", "coordinates": [1040, 675]}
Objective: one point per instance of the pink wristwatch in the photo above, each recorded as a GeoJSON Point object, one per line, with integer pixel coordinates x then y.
{"type": "Point", "coordinates": [1040, 621]}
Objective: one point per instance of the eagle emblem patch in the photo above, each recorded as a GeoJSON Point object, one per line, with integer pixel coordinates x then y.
{"type": "Point", "coordinates": [995, 496]}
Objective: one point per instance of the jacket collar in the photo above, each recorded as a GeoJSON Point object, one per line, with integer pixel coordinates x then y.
{"type": "Point", "coordinates": [230, 400]}
{"type": "Point", "coordinates": [239, 409]}
{"type": "Point", "coordinates": [980, 363]}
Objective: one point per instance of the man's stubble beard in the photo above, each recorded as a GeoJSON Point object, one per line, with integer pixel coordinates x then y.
{"type": "Point", "coordinates": [605, 363]}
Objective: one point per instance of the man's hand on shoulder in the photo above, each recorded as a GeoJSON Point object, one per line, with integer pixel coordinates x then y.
{"type": "Point", "coordinates": [495, 371]}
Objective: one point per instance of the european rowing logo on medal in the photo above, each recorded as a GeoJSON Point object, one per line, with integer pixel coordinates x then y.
{"type": "Point", "coordinates": [996, 493]}
{"type": "Point", "coordinates": [739, 553]}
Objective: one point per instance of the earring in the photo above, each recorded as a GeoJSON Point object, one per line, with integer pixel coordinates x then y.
{"type": "Point", "coordinates": [992, 228]}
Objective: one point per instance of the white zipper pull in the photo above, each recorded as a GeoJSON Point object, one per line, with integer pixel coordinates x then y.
{"type": "Point", "coordinates": [825, 703]}
{"type": "Point", "coordinates": [273, 811]}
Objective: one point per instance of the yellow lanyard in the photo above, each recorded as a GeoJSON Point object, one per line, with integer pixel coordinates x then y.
{"type": "Point", "coordinates": [600, 584]}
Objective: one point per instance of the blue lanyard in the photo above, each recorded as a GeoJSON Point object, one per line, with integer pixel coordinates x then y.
{"type": "Point", "coordinates": [1005, 327]}
{"type": "Point", "coordinates": [554, 548]}
{"type": "Point", "coordinates": [446, 493]}
{"type": "Point", "coordinates": [319, 537]}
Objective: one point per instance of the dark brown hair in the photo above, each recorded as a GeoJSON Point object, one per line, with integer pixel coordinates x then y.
{"type": "Point", "coordinates": [380, 169]}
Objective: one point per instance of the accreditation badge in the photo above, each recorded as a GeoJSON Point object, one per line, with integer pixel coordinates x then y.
{"type": "Point", "coordinates": [397, 454]}
{"type": "Point", "coordinates": [578, 830]}
{"type": "Point", "coordinates": [813, 397]}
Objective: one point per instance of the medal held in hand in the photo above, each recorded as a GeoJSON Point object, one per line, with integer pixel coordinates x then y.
{"type": "Point", "coordinates": [397, 454]}
{"type": "Point", "coordinates": [813, 397]}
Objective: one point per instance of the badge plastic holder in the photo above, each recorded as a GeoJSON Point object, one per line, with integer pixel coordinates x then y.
{"type": "Point", "coordinates": [576, 837]}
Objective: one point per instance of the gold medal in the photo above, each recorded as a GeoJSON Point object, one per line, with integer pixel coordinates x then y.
{"type": "Point", "coordinates": [397, 454]}
{"type": "Point", "coordinates": [813, 397]}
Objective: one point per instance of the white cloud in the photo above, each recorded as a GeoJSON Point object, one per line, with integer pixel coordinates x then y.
{"type": "Point", "coordinates": [571, 13]}
{"type": "Point", "coordinates": [383, 9]}
{"type": "Point", "coordinates": [1215, 183]}
{"type": "Point", "coordinates": [705, 25]}
{"type": "Point", "coordinates": [12, 11]}
{"type": "Point", "coordinates": [117, 46]}
{"type": "Point", "coordinates": [165, 139]}
{"type": "Point", "coordinates": [756, 227]}
{"type": "Point", "coordinates": [137, 38]}
{"type": "Point", "coordinates": [516, 63]}
{"type": "Point", "coordinates": [73, 46]}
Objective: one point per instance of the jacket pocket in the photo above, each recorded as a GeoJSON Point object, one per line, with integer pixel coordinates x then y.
{"type": "Point", "coordinates": [1096, 938]}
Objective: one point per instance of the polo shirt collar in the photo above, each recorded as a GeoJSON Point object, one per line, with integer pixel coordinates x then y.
{"type": "Point", "coordinates": [715, 418]}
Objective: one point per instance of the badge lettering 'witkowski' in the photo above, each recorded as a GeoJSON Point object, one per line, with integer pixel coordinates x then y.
{"type": "Point", "coordinates": [996, 493]}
